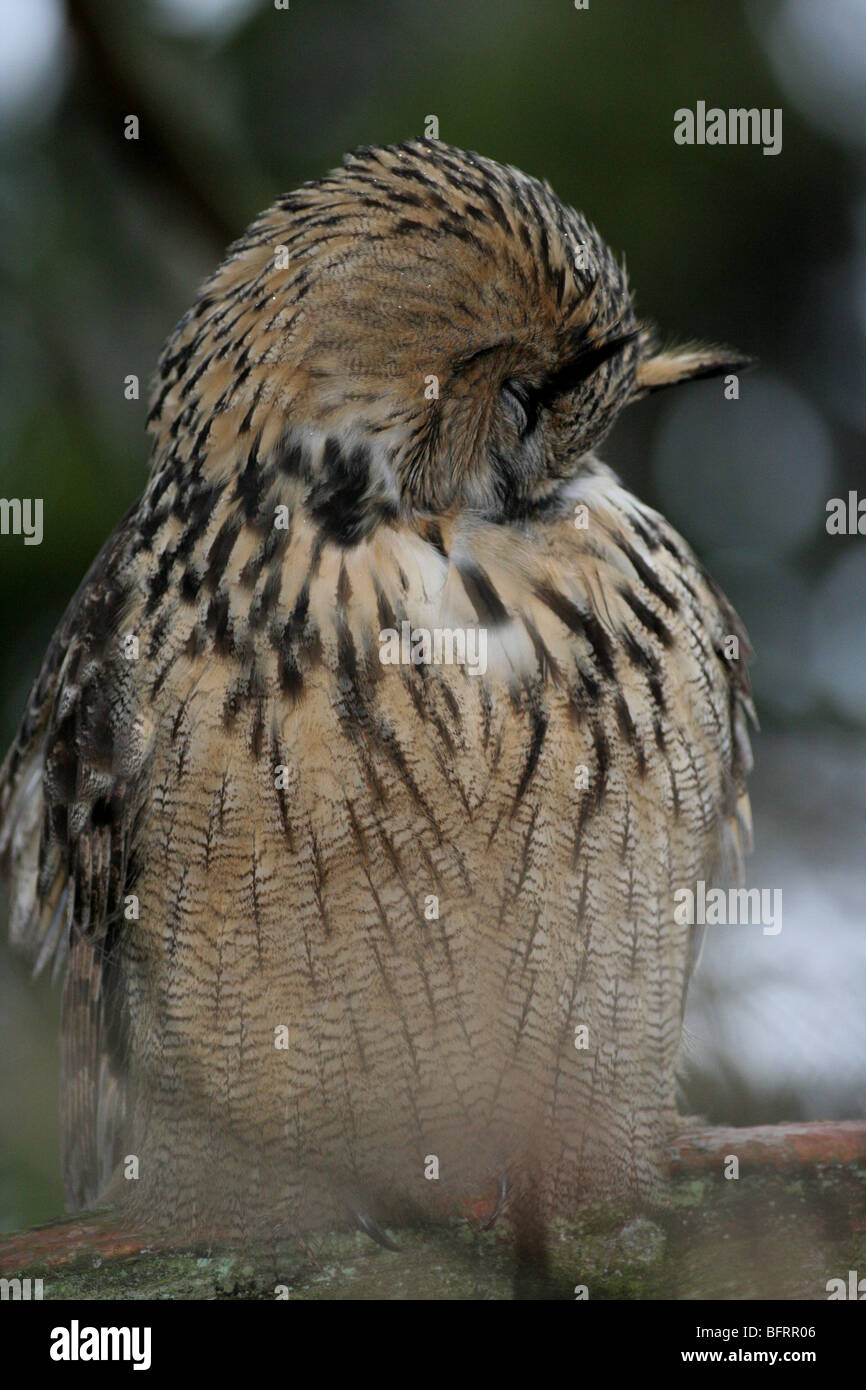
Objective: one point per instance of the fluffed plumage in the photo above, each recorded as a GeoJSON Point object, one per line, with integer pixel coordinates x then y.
{"type": "Point", "coordinates": [224, 815]}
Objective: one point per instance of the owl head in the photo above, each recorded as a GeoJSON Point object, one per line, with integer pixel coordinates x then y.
{"type": "Point", "coordinates": [423, 330]}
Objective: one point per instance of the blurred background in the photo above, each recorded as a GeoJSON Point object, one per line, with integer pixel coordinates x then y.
{"type": "Point", "coordinates": [103, 241]}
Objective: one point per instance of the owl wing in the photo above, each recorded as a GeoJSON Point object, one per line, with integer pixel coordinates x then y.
{"type": "Point", "coordinates": [70, 806]}
{"type": "Point", "coordinates": [735, 811]}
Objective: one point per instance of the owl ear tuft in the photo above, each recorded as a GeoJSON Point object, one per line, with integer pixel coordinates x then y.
{"type": "Point", "coordinates": [658, 369]}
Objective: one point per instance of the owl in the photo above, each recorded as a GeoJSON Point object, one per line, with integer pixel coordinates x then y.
{"type": "Point", "coordinates": [357, 785]}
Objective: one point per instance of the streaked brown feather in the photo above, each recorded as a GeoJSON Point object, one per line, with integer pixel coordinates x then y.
{"type": "Point", "coordinates": [301, 900]}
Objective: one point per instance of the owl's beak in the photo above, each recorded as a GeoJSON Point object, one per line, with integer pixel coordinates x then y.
{"type": "Point", "coordinates": [656, 370]}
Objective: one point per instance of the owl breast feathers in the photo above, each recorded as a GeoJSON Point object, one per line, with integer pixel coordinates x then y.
{"type": "Point", "coordinates": [358, 781]}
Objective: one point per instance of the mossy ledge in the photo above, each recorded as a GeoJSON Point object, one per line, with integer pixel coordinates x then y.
{"type": "Point", "coordinates": [794, 1218]}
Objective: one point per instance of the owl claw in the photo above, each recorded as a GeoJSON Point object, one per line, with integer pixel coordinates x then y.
{"type": "Point", "coordinates": [501, 1199]}
{"type": "Point", "coordinates": [372, 1228]}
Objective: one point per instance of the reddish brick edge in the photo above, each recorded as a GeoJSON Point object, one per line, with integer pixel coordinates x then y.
{"type": "Point", "coordinates": [62, 1242]}
{"type": "Point", "coordinates": [773, 1147]}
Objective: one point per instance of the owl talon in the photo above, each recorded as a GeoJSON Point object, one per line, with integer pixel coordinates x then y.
{"type": "Point", "coordinates": [501, 1200]}
{"type": "Point", "coordinates": [371, 1228]}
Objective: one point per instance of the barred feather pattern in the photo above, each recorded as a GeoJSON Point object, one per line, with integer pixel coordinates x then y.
{"type": "Point", "coordinates": [224, 816]}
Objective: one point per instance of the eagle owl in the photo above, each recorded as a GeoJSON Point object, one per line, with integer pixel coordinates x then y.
{"type": "Point", "coordinates": [348, 922]}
